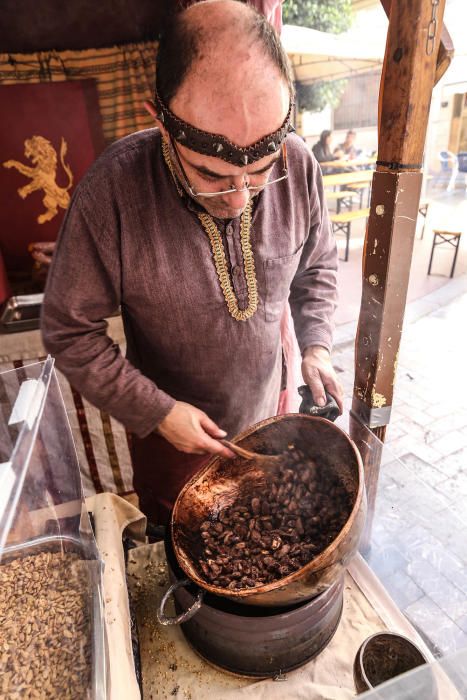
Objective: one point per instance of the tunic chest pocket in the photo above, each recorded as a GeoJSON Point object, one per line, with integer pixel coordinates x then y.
{"type": "Point", "coordinates": [279, 273]}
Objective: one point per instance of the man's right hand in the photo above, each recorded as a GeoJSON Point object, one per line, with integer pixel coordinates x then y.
{"type": "Point", "coordinates": [191, 430]}
{"type": "Point", "coordinates": [42, 251]}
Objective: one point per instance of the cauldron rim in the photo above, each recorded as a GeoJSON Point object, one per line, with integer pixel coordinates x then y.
{"type": "Point", "coordinates": [312, 567]}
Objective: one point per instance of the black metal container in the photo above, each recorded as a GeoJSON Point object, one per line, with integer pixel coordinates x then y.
{"type": "Point", "coordinates": [252, 640]}
{"type": "Point", "coordinates": [262, 642]}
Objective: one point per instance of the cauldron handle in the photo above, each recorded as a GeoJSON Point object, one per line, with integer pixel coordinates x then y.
{"type": "Point", "coordinates": [330, 410]}
{"type": "Point", "coordinates": [179, 619]}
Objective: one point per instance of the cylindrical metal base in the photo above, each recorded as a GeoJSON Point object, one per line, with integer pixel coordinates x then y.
{"type": "Point", "coordinates": [261, 642]}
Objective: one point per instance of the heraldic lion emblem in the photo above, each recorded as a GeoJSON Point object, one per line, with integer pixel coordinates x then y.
{"type": "Point", "coordinates": [43, 175]}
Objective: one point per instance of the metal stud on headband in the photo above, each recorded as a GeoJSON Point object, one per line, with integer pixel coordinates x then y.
{"type": "Point", "coordinates": [217, 145]}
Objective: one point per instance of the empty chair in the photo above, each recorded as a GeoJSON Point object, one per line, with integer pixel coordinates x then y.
{"type": "Point", "coordinates": [449, 168]}
{"type": "Point", "coordinates": [462, 164]}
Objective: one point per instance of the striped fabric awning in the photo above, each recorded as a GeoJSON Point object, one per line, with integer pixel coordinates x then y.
{"type": "Point", "coordinates": [125, 76]}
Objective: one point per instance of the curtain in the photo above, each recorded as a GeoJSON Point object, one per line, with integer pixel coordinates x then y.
{"type": "Point", "coordinates": [125, 76]}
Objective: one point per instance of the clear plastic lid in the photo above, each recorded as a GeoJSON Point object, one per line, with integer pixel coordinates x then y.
{"type": "Point", "coordinates": [445, 679]}
{"type": "Point", "coordinates": [51, 611]}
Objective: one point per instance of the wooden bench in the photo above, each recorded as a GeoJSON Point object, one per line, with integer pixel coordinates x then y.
{"type": "Point", "coordinates": [359, 188]}
{"type": "Point", "coordinates": [343, 198]}
{"type": "Point", "coordinates": [342, 222]}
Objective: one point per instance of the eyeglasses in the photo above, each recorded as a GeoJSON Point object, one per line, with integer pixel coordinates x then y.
{"type": "Point", "coordinates": [247, 188]}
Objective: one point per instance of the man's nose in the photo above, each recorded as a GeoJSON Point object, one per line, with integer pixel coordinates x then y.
{"type": "Point", "coordinates": [237, 200]}
{"type": "Point", "coordinates": [240, 196]}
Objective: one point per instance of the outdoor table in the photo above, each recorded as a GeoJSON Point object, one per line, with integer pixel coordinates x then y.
{"type": "Point", "coordinates": [168, 662]}
{"type": "Point", "coordinates": [375, 585]}
{"type": "Point", "coordinates": [350, 163]}
{"type": "Point", "coordinates": [337, 179]}
{"type": "Point", "coordinates": [412, 572]}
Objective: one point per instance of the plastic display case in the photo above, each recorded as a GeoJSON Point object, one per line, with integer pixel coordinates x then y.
{"type": "Point", "coordinates": [51, 596]}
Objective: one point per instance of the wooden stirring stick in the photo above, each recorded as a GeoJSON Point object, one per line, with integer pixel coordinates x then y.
{"type": "Point", "coordinates": [273, 460]}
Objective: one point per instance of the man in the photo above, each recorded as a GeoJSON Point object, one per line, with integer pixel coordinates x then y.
{"type": "Point", "coordinates": [200, 231]}
{"type": "Point", "coordinates": [347, 148]}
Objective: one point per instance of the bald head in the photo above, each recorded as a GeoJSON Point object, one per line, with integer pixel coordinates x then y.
{"type": "Point", "coordinates": [221, 68]}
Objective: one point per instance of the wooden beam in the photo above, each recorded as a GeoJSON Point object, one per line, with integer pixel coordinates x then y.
{"type": "Point", "coordinates": [407, 82]}
{"type": "Point", "coordinates": [445, 54]}
{"type": "Point", "coordinates": [386, 268]}
{"type": "Point", "coordinates": [446, 47]}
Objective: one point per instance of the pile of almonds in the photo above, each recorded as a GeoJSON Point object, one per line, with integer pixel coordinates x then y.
{"type": "Point", "coordinates": [45, 643]}
{"type": "Point", "coordinates": [268, 534]}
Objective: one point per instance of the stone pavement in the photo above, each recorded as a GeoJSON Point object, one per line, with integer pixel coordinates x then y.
{"type": "Point", "coordinates": [419, 545]}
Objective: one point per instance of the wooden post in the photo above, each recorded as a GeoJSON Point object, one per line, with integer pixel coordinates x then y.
{"type": "Point", "coordinates": [407, 81]}
{"type": "Point", "coordinates": [446, 47]}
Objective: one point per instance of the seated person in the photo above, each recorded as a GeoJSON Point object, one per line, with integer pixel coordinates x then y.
{"type": "Point", "coordinates": [347, 148]}
{"type": "Point", "coordinates": [323, 154]}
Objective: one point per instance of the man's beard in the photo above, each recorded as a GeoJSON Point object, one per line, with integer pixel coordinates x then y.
{"type": "Point", "coordinates": [220, 209]}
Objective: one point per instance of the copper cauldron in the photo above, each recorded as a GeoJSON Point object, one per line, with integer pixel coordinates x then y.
{"type": "Point", "coordinates": [218, 484]}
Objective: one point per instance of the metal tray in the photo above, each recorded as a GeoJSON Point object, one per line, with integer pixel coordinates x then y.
{"type": "Point", "coordinates": [70, 544]}
{"type": "Point", "coordinates": [21, 313]}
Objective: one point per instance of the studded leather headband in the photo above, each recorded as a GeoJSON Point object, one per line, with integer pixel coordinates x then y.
{"type": "Point", "coordinates": [218, 146]}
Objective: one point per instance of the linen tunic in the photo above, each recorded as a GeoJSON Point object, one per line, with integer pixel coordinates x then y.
{"type": "Point", "coordinates": [130, 240]}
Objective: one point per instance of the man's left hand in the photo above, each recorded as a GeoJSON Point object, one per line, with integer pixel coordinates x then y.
{"type": "Point", "coordinates": [319, 374]}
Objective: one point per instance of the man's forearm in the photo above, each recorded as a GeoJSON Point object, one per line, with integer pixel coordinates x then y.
{"type": "Point", "coordinates": [83, 288]}
{"type": "Point", "coordinates": [95, 367]}
{"type": "Point", "coordinates": [312, 302]}
{"type": "Point", "coordinates": [313, 294]}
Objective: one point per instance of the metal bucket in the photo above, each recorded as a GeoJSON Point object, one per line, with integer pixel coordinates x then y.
{"type": "Point", "coordinates": [263, 645]}
{"type": "Point", "coordinates": [251, 640]}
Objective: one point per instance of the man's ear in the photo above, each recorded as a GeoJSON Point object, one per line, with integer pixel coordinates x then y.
{"type": "Point", "coordinates": [151, 109]}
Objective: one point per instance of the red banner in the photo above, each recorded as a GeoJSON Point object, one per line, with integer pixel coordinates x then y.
{"type": "Point", "coordinates": [50, 133]}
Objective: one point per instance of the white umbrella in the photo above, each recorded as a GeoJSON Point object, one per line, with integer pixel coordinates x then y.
{"type": "Point", "coordinates": [317, 56]}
